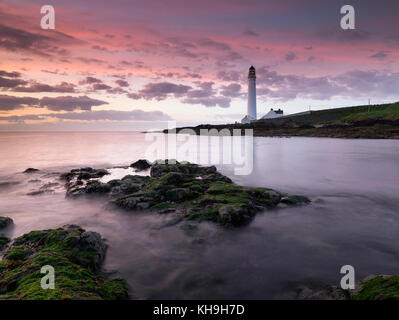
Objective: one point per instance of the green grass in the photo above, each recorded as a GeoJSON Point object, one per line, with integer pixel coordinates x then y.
{"type": "Point", "coordinates": [386, 112]}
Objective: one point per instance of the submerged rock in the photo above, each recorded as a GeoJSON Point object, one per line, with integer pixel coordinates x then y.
{"type": "Point", "coordinates": [75, 255]}
{"type": "Point", "coordinates": [187, 189]}
{"type": "Point", "coordinates": [141, 165]}
{"type": "Point", "coordinates": [31, 170]}
{"type": "Point", "coordinates": [5, 222]}
{"type": "Point", "coordinates": [295, 200]}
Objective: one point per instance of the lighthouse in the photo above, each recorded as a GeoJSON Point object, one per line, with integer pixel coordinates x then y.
{"type": "Point", "coordinates": [251, 106]}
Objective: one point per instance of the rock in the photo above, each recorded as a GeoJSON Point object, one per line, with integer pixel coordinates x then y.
{"type": "Point", "coordinates": [94, 186]}
{"type": "Point", "coordinates": [329, 293]}
{"type": "Point", "coordinates": [3, 242]}
{"type": "Point", "coordinates": [92, 241]}
{"type": "Point", "coordinates": [39, 192]}
{"type": "Point", "coordinates": [178, 194]}
{"type": "Point", "coordinates": [31, 170]}
{"type": "Point", "coordinates": [127, 202]}
{"type": "Point", "coordinates": [141, 165]}
{"type": "Point", "coordinates": [7, 184]}
{"type": "Point", "coordinates": [273, 196]}
{"type": "Point", "coordinates": [377, 287]}
{"type": "Point", "coordinates": [235, 215]}
{"type": "Point", "coordinates": [142, 205]}
{"type": "Point", "coordinates": [186, 189]}
{"type": "Point", "coordinates": [295, 200]}
{"type": "Point", "coordinates": [5, 222]}
{"type": "Point", "coordinates": [77, 253]}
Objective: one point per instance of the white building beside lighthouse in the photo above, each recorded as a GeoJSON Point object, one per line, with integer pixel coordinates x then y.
{"type": "Point", "coordinates": [251, 106]}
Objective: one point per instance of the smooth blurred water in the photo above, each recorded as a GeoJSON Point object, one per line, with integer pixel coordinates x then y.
{"type": "Point", "coordinates": [353, 218]}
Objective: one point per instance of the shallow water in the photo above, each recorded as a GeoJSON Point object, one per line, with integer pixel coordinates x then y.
{"type": "Point", "coordinates": [353, 219]}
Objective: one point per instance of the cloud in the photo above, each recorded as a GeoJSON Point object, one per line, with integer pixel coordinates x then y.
{"type": "Point", "coordinates": [69, 103]}
{"type": "Point", "coordinates": [66, 103]}
{"type": "Point", "coordinates": [21, 118]}
{"type": "Point", "coordinates": [380, 55]}
{"type": "Point", "coordinates": [370, 83]}
{"type": "Point", "coordinates": [232, 90]}
{"type": "Point", "coordinates": [204, 94]}
{"type": "Point", "coordinates": [345, 36]}
{"type": "Point", "coordinates": [63, 87]}
{"type": "Point", "coordinates": [290, 56]}
{"type": "Point", "coordinates": [101, 86]}
{"type": "Point", "coordinates": [14, 83]}
{"type": "Point", "coordinates": [90, 80]}
{"type": "Point", "coordinates": [12, 103]}
{"type": "Point", "coordinates": [9, 74]}
{"type": "Point", "coordinates": [101, 115]}
{"type": "Point", "coordinates": [352, 84]}
{"type": "Point", "coordinates": [12, 39]}
{"type": "Point", "coordinates": [122, 83]}
{"type": "Point", "coordinates": [212, 101]}
{"type": "Point", "coordinates": [250, 33]}
{"type": "Point", "coordinates": [206, 42]}
{"type": "Point", "coordinates": [11, 83]}
{"type": "Point", "coordinates": [113, 115]}
{"type": "Point", "coordinates": [229, 75]}
{"type": "Point", "coordinates": [160, 91]}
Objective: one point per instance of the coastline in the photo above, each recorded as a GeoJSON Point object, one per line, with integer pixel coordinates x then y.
{"type": "Point", "coordinates": [366, 129]}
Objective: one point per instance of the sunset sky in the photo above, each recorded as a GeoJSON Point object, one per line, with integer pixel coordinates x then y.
{"type": "Point", "coordinates": [136, 64]}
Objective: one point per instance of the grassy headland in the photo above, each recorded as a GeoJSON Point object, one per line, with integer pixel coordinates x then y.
{"type": "Point", "coordinates": [367, 122]}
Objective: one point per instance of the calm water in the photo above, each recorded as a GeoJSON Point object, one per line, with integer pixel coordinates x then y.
{"type": "Point", "coordinates": [354, 217]}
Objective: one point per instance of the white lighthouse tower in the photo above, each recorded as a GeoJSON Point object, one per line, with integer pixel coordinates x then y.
{"type": "Point", "coordinates": [251, 107]}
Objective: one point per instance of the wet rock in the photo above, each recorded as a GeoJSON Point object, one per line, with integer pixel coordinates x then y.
{"type": "Point", "coordinates": [141, 165]}
{"type": "Point", "coordinates": [5, 222]}
{"type": "Point", "coordinates": [39, 192]}
{"type": "Point", "coordinates": [235, 215]}
{"type": "Point", "coordinates": [142, 205]}
{"type": "Point", "coordinates": [127, 202]}
{"type": "Point", "coordinates": [31, 170]}
{"type": "Point", "coordinates": [295, 200]}
{"type": "Point", "coordinates": [3, 242]}
{"type": "Point", "coordinates": [178, 194]}
{"type": "Point", "coordinates": [84, 174]}
{"type": "Point", "coordinates": [79, 254]}
{"type": "Point", "coordinates": [96, 187]}
{"type": "Point", "coordinates": [49, 185]}
{"type": "Point", "coordinates": [377, 287]}
{"type": "Point", "coordinates": [186, 189]}
{"type": "Point", "coordinates": [7, 184]}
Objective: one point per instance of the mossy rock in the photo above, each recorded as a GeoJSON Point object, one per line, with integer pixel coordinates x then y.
{"type": "Point", "coordinates": [194, 191]}
{"type": "Point", "coordinates": [377, 287]}
{"type": "Point", "coordinates": [75, 255]}
{"type": "Point", "coordinates": [5, 222]}
{"type": "Point", "coordinates": [3, 242]}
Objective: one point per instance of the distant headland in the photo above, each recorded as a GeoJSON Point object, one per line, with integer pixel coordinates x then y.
{"type": "Point", "coordinates": [363, 122]}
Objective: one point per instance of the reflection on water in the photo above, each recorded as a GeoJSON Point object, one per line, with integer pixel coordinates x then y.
{"type": "Point", "coordinates": [353, 219]}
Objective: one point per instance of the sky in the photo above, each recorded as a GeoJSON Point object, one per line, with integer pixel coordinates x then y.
{"type": "Point", "coordinates": [138, 64]}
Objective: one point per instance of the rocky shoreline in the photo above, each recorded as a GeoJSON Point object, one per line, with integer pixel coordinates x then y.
{"type": "Point", "coordinates": [188, 190]}
{"type": "Point", "coordinates": [364, 129]}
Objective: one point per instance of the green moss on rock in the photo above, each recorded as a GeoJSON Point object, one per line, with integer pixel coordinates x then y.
{"type": "Point", "coordinates": [75, 255]}
{"type": "Point", "coordinates": [378, 287]}
{"type": "Point", "coordinates": [3, 242]}
{"type": "Point", "coordinates": [196, 192]}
